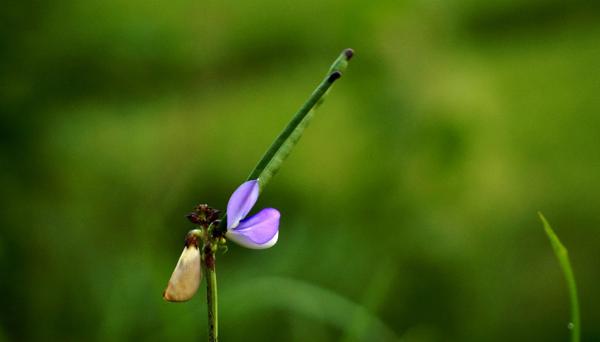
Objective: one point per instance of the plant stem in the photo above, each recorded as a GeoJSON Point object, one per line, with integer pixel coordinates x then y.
{"type": "Point", "coordinates": [208, 263]}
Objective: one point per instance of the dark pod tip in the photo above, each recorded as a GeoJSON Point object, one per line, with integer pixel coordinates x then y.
{"type": "Point", "coordinates": [348, 53]}
{"type": "Point", "coordinates": [334, 76]}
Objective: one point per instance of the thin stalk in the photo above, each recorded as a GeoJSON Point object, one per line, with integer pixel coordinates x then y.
{"type": "Point", "coordinates": [209, 266]}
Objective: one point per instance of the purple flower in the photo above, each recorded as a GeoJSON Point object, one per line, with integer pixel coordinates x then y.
{"type": "Point", "coordinates": [259, 231]}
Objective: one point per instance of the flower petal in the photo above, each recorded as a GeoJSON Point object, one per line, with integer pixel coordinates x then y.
{"type": "Point", "coordinates": [185, 279]}
{"type": "Point", "coordinates": [241, 201]}
{"type": "Point", "coordinates": [257, 232]}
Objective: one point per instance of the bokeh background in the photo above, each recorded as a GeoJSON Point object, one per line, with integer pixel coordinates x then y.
{"type": "Point", "coordinates": [409, 206]}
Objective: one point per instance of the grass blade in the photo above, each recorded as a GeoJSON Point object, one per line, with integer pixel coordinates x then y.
{"type": "Point", "coordinates": [563, 259]}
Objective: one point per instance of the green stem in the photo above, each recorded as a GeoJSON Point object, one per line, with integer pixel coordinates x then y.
{"type": "Point", "coordinates": [209, 266]}
{"type": "Point", "coordinates": [271, 161]}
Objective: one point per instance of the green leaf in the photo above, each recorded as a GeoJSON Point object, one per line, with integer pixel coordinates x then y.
{"type": "Point", "coordinates": [563, 259]}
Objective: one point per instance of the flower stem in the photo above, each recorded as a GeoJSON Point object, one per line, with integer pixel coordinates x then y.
{"type": "Point", "coordinates": [208, 263]}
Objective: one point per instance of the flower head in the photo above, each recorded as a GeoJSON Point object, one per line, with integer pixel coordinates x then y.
{"type": "Point", "coordinates": [259, 231]}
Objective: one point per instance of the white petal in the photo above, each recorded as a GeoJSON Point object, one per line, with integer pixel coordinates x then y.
{"type": "Point", "coordinates": [245, 242]}
{"type": "Point", "coordinates": [185, 279]}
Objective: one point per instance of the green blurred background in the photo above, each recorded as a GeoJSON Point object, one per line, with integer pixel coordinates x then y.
{"type": "Point", "coordinates": [408, 207]}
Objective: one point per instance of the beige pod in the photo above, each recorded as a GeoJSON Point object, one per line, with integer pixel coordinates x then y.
{"type": "Point", "coordinates": [186, 277]}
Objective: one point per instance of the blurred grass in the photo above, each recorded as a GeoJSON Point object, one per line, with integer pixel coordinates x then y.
{"type": "Point", "coordinates": [304, 300]}
{"type": "Point", "coordinates": [411, 195]}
